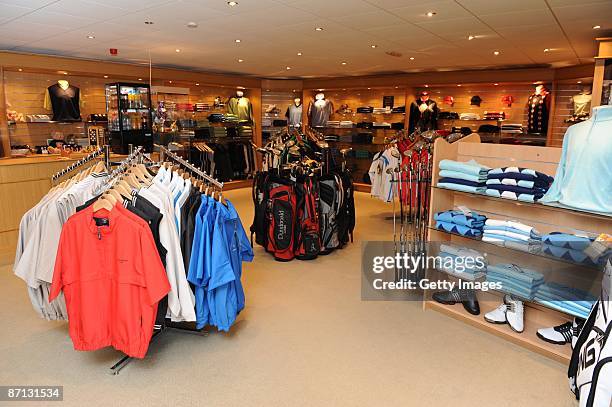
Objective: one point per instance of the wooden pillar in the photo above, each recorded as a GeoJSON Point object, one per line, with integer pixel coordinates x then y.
{"type": "Point", "coordinates": [5, 142]}
{"type": "Point", "coordinates": [551, 114]}
{"type": "Point", "coordinates": [257, 114]}
{"type": "Point", "coordinates": [410, 97]}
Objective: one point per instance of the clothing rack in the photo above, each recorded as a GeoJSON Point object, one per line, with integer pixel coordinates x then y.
{"type": "Point", "coordinates": [167, 153]}
{"type": "Point", "coordinates": [101, 151]}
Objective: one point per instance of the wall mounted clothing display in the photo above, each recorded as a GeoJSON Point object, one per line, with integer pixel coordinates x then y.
{"type": "Point", "coordinates": [475, 100]}
{"type": "Point", "coordinates": [64, 100]}
{"type": "Point", "coordinates": [580, 181]}
{"type": "Point", "coordinates": [538, 108]}
{"type": "Point", "coordinates": [242, 108]}
{"type": "Point", "coordinates": [423, 115]}
{"type": "Point", "coordinates": [294, 115]}
{"type": "Point", "coordinates": [319, 112]}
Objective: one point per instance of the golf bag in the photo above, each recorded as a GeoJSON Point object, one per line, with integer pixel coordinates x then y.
{"type": "Point", "coordinates": [308, 239]}
{"type": "Point", "coordinates": [280, 219]}
{"type": "Point", "coordinates": [346, 214]}
{"type": "Point", "coordinates": [260, 201]}
{"type": "Point", "coordinates": [332, 199]}
{"type": "Point", "coordinates": [590, 370]}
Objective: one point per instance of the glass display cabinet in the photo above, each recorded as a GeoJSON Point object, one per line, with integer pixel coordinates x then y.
{"type": "Point", "coordinates": [128, 106]}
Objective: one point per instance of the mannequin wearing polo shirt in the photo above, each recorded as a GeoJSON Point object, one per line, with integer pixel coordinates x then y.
{"type": "Point", "coordinates": [64, 100]}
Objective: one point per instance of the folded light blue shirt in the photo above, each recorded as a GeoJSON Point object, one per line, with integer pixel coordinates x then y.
{"type": "Point", "coordinates": [462, 188]}
{"type": "Point", "coordinates": [470, 167]}
{"type": "Point", "coordinates": [462, 175]}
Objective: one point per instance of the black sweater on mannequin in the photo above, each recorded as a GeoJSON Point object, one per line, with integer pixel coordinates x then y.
{"type": "Point", "coordinates": [426, 120]}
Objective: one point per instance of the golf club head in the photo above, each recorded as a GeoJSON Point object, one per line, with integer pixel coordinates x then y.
{"type": "Point", "coordinates": [344, 151]}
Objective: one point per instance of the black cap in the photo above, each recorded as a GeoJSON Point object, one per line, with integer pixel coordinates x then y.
{"type": "Point", "coordinates": [475, 100]}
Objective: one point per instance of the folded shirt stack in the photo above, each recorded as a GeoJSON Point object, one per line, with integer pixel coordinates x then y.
{"type": "Point", "coordinates": [381, 125]}
{"type": "Point", "coordinates": [570, 247]}
{"type": "Point", "coordinates": [565, 299]}
{"type": "Point", "coordinates": [382, 110]}
{"type": "Point", "coordinates": [454, 261]}
{"type": "Point", "coordinates": [469, 116]}
{"type": "Point", "coordinates": [455, 221]}
{"type": "Point", "coordinates": [519, 184]}
{"type": "Point", "coordinates": [346, 123]}
{"type": "Point", "coordinates": [399, 109]}
{"type": "Point", "coordinates": [511, 234]}
{"type": "Point", "coordinates": [516, 280]}
{"type": "Point", "coordinates": [333, 123]}
{"type": "Point", "coordinates": [365, 109]}
{"type": "Point", "coordinates": [463, 176]}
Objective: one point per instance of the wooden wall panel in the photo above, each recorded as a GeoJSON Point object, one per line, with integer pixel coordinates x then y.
{"type": "Point", "coordinates": [564, 108]}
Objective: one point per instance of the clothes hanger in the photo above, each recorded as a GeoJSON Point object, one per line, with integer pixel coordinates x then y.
{"type": "Point", "coordinates": [104, 202]}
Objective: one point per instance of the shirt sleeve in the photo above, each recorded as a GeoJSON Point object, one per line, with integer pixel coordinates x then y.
{"type": "Point", "coordinates": [221, 271]}
{"type": "Point", "coordinates": [61, 266]}
{"type": "Point", "coordinates": [152, 268]}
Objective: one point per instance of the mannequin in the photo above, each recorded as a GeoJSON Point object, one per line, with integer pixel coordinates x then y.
{"type": "Point", "coordinates": [583, 176]}
{"type": "Point", "coordinates": [64, 100]}
{"type": "Point", "coordinates": [319, 111]}
{"type": "Point", "coordinates": [582, 102]}
{"type": "Point", "coordinates": [423, 114]}
{"type": "Point", "coordinates": [294, 113]}
{"type": "Point", "coordinates": [538, 108]}
{"type": "Point", "coordinates": [241, 107]}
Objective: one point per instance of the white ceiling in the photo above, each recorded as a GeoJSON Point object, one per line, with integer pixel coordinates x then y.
{"type": "Point", "coordinates": [273, 31]}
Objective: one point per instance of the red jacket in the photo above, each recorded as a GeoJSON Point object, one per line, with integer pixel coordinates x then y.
{"type": "Point", "coordinates": [112, 278]}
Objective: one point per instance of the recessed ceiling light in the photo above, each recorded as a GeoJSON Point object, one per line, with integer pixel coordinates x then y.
{"type": "Point", "coordinates": [20, 70]}
{"type": "Point", "coordinates": [579, 82]}
{"type": "Point", "coordinates": [495, 52]}
{"type": "Point", "coordinates": [459, 85]}
{"type": "Point", "coordinates": [343, 88]}
{"type": "Point", "coordinates": [232, 3]}
{"type": "Point", "coordinates": [177, 50]}
{"type": "Point", "coordinates": [343, 62]}
{"type": "Point", "coordinates": [373, 45]}
{"type": "Point", "coordinates": [91, 37]}
{"type": "Point", "coordinates": [471, 37]}
{"type": "Point", "coordinates": [546, 49]}
{"type": "Point", "coordinates": [496, 84]}
{"type": "Point", "coordinates": [237, 41]}
{"type": "Point", "coordinates": [192, 24]}
{"type": "Point", "coordinates": [431, 13]}
{"type": "Point", "coordinates": [267, 90]}
{"type": "Point", "coordinates": [397, 87]}
{"type": "Point", "coordinates": [169, 81]}
{"type": "Point", "coordinates": [426, 86]}
{"type": "Point", "coordinates": [299, 54]}
{"type": "Point", "coordinates": [287, 67]}
{"type": "Point", "coordinates": [369, 88]}
{"type": "Point", "coordinates": [106, 76]}
{"type": "Point", "coordinates": [596, 27]}
{"type": "Point", "coordinates": [149, 22]}
{"type": "Point", "coordinates": [240, 60]}
{"type": "Point", "coordinates": [293, 90]}
{"type": "Point", "coordinates": [197, 84]}
{"type": "Point", "coordinates": [139, 79]}
{"type": "Point", "coordinates": [65, 73]}
{"type": "Point", "coordinates": [412, 58]}
{"type": "Point", "coordinates": [319, 29]}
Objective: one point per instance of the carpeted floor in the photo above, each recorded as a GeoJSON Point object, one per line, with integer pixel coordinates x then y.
{"type": "Point", "coordinates": [305, 339]}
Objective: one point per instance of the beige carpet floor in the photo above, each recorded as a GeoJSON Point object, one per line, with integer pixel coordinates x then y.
{"type": "Point", "coordinates": [305, 339]}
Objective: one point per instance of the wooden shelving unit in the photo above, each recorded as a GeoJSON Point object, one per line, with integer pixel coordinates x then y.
{"type": "Point", "coordinates": [544, 218]}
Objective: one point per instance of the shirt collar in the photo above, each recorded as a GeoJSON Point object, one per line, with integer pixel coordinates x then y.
{"type": "Point", "coordinates": [112, 216]}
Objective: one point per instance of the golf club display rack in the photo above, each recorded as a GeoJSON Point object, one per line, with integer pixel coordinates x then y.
{"type": "Point", "coordinates": [545, 218]}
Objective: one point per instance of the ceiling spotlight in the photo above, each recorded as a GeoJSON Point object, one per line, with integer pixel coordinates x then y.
{"type": "Point", "coordinates": [471, 37]}
{"type": "Point", "coordinates": [65, 73]}
{"type": "Point", "coordinates": [232, 3]}
{"type": "Point", "coordinates": [267, 90]}
{"type": "Point", "coordinates": [237, 41]}
{"type": "Point", "coordinates": [149, 22]}
{"type": "Point", "coordinates": [106, 76]}
{"type": "Point", "coordinates": [373, 46]}
{"type": "Point", "coordinates": [579, 82]}
{"type": "Point", "coordinates": [192, 24]}
{"type": "Point", "coordinates": [240, 60]}
{"type": "Point", "coordinates": [139, 79]}
{"type": "Point", "coordinates": [177, 50]}
{"type": "Point", "coordinates": [496, 84]}
{"type": "Point", "coordinates": [369, 88]}
{"type": "Point", "coordinates": [91, 37]}
{"type": "Point", "coordinates": [459, 85]}
{"type": "Point", "coordinates": [319, 29]}
{"type": "Point", "coordinates": [299, 54]}
{"type": "Point", "coordinates": [412, 58]}
{"type": "Point", "coordinates": [431, 13]}
{"type": "Point", "coordinates": [287, 67]}
{"type": "Point", "coordinates": [343, 62]}
{"type": "Point", "coordinates": [426, 86]}
{"type": "Point", "coordinates": [169, 81]}
{"type": "Point", "coordinates": [546, 49]}
{"type": "Point", "coordinates": [397, 87]}
{"type": "Point", "coordinates": [495, 52]}
{"type": "Point", "coordinates": [596, 27]}
{"type": "Point", "coordinates": [197, 84]}
{"type": "Point", "coordinates": [343, 88]}
{"type": "Point", "coordinates": [20, 70]}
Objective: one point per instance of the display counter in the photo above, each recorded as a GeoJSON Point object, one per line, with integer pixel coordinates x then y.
{"type": "Point", "coordinates": [23, 182]}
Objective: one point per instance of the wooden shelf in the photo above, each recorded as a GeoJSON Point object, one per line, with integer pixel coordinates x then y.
{"type": "Point", "coordinates": [526, 339]}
